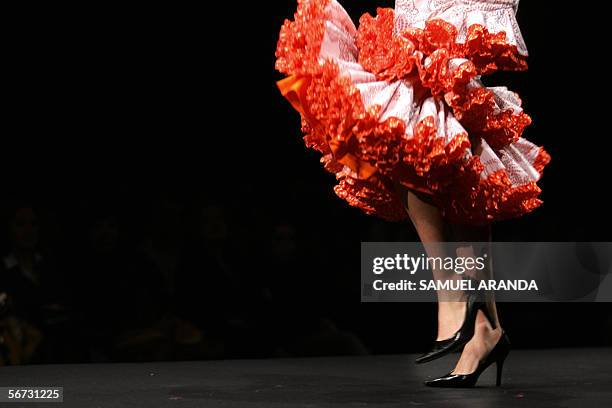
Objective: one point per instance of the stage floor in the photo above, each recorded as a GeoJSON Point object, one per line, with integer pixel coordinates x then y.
{"type": "Point", "coordinates": [533, 378]}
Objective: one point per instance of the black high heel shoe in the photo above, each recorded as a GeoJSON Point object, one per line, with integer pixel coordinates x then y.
{"type": "Point", "coordinates": [474, 303]}
{"type": "Point", "coordinates": [497, 355]}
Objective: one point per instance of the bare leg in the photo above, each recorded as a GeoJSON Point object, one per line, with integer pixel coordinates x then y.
{"type": "Point", "coordinates": [485, 337]}
{"type": "Point", "coordinates": [467, 234]}
{"type": "Point", "coordinates": [431, 228]}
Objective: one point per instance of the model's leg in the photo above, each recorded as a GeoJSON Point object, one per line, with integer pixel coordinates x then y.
{"type": "Point", "coordinates": [485, 337]}
{"type": "Point", "coordinates": [432, 228]}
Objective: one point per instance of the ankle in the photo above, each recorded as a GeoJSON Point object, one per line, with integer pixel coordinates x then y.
{"type": "Point", "coordinates": [486, 334]}
{"type": "Point", "coordinates": [451, 309]}
{"type": "Point", "coordinates": [451, 316]}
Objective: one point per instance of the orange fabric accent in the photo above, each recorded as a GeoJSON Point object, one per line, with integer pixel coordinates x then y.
{"type": "Point", "coordinates": [294, 88]}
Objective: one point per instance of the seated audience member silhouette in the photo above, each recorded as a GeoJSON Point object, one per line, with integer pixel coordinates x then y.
{"type": "Point", "coordinates": [36, 289]}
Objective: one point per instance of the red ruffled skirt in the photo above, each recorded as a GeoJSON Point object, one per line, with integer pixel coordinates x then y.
{"type": "Point", "coordinates": [388, 109]}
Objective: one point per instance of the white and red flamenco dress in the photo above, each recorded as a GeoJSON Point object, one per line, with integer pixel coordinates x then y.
{"type": "Point", "coordinates": [399, 102]}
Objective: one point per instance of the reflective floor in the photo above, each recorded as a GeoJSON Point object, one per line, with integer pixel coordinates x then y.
{"type": "Point", "coordinates": [533, 378]}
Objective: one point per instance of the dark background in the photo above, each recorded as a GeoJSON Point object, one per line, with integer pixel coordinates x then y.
{"type": "Point", "coordinates": [151, 163]}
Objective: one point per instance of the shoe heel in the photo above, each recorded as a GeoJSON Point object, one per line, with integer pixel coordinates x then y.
{"type": "Point", "coordinates": [500, 366]}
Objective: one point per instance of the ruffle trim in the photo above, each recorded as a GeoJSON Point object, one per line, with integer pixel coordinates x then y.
{"type": "Point", "coordinates": [299, 43]}
{"type": "Point", "coordinates": [430, 54]}
{"type": "Point", "coordinates": [370, 157]}
{"type": "Point", "coordinates": [488, 51]}
{"type": "Point", "coordinates": [393, 56]}
{"type": "Point", "coordinates": [366, 155]}
{"type": "Point", "coordinates": [427, 53]}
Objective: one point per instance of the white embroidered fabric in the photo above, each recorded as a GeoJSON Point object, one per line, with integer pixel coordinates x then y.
{"type": "Point", "coordinates": [495, 15]}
